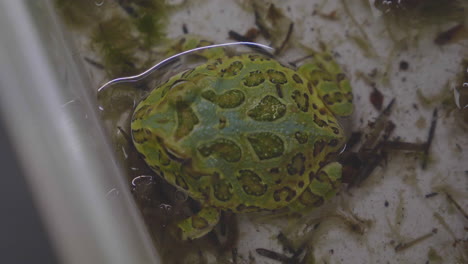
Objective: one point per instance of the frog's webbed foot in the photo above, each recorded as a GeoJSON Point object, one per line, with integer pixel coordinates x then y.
{"type": "Point", "coordinates": [199, 224]}
{"type": "Point", "coordinates": [330, 82]}
{"type": "Point", "coordinates": [323, 186]}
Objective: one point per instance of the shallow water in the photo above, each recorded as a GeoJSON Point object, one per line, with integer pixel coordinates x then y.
{"type": "Point", "coordinates": [420, 66]}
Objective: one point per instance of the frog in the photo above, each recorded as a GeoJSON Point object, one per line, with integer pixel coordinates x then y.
{"type": "Point", "coordinates": [246, 133]}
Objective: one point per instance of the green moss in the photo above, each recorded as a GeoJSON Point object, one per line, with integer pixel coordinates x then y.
{"type": "Point", "coordinates": [151, 21]}
{"type": "Point", "coordinates": [117, 47]}
{"type": "Point", "coordinates": [78, 14]}
{"type": "Point", "coordinates": [122, 34]}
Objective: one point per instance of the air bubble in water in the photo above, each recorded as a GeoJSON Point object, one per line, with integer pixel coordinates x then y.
{"type": "Point", "coordinates": [181, 196]}
{"type": "Point", "coordinates": [142, 179]}
{"type": "Point", "coordinates": [461, 96]}
{"type": "Point", "coordinates": [165, 207]}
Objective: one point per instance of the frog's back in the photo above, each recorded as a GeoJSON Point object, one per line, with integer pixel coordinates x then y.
{"type": "Point", "coordinates": [241, 133]}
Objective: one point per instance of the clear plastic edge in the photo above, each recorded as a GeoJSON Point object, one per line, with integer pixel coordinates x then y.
{"type": "Point", "coordinates": [69, 165]}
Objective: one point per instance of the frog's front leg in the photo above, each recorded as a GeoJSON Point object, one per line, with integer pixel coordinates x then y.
{"type": "Point", "coordinates": [323, 186]}
{"type": "Point", "coordinates": [330, 82]}
{"type": "Point", "coordinates": [199, 224]}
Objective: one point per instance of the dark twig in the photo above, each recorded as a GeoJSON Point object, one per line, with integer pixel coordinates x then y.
{"type": "Point", "coordinates": [404, 246]}
{"type": "Point", "coordinates": [274, 255]}
{"type": "Point", "coordinates": [286, 39]}
{"type": "Point", "coordinates": [450, 198]}
{"type": "Point", "coordinates": [429, 139]}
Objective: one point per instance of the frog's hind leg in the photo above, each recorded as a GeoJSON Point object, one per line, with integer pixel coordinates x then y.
{"type": "Point", "coordinates": [327, 78]}
{"type": "Point", "coordinates": [323, 186]}
{"type": "Point", "coordinates": [199, 224]}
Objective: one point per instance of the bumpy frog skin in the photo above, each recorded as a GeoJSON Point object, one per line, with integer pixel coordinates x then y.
{"type": "Point", "coordinates": [245, 133]}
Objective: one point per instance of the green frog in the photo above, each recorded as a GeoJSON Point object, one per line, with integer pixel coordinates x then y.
{"type": "Point", "coordinates": [246, 133]}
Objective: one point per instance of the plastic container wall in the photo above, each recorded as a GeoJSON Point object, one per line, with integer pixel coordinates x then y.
{"type": "Point", "coordinates": [47, 104]}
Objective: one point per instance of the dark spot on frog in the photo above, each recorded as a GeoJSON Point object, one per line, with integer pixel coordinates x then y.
{"type": "Point", "coordinates": [266, 145]}
{"type": "Point", "coordinates": [333, 143]}
{"type": "Point", "coordinates": [229, 99]}
{"type": "Point", "coordinates": [279, 91]}
{"type": "Point", "coordinates": [276, 77]}
{"type": "Point", "coordinates": [302, 100]}
{"type": "Point", "coordinates": [268, 109]}
{"type": "Point", "coordinates": [323, 163]}
{"type": "Point", "coordinates": [222, 190]}
{"type": "Point", "coordinates": [301, 137]}
{"type": "Point", "coordinates": [284, 194]}
{"type": "Point", "coordinates": [310, 88]}
{"type": "Point", "coordinates": [254, 78]}
{"type": "Point", "coordinates": [256, 57]}
{"type": "Point", "coordinates": [308, 198]}
{"type": "Point", "coordinates": [186, 120]}
{"type": "Point", "coordinates": [318, 147]}
{"type": "Point", "coordinates": [222, 148]}
{"type": "Point", "coordinates": [338, 97]}
{"type": "Point", "coordinates": [297, 164]}
{"type": "Point", "coordinates": [140, 113]}
{"type": "Point", "coordinates": [232, 70]}
{"type": "Point", "coordinates": [326, 98]}
{"type": "Point", "coordinates": [222, 122]}
{"type": "Point", "coordinates": [320, 122]}
{"type": "Point", "coordinates": [297, 78]}
{"type": "Point", "coordinates": [142, 135]}
{"type": "Point", "coordinates": [274, 170]}
{"type": "Point", "coordinates": [251, 183]}
{"type": "Point", "coordinates": [323, 111]}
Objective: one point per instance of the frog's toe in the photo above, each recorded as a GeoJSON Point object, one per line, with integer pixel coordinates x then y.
{"type": "Point", "coordinates": [199, 224]}
{"type": "Point", "coordinates": [337, 97]}
{"type": "Point", "coordinates": [331, 85]}
{"type": "Point", "coordinates": [323, 186]}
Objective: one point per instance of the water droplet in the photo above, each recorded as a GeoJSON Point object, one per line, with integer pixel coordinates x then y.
{"type": "Point", "coordinates": [165, 207]}
{"type": "Point", "coordinates": [342, 149]}
{"type": "Point", "coordinates": [460, 96]}
{"type": "Point", "coordinates": [181, 196]}
{"type": "Point", "coordinates": [146, 179]}
{"type": "Point", "coordinates": [112, 193]}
